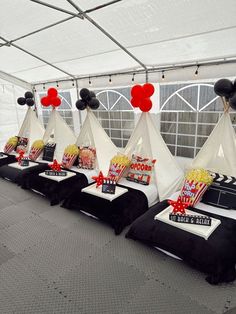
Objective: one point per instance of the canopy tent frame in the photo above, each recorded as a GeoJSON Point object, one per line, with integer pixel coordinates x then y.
{"type": "Point", "coordinates": [142, 68]}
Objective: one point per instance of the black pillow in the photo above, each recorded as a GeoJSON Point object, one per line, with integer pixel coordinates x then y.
{"type": "Point", "coordinates": [222, 192]}
{"type": "Point", "coordinates": [48, 151]}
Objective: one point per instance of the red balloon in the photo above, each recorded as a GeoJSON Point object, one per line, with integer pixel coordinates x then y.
{"type": "Point", "coordinates": [137, 91]}
{"type": "Point", "coordinates": [45, 101]}
{"type": "Point", "coordinates": [55, 101]}
{"type": "Point", "coordinates": [135, 102]}
{"type": "Point", "coordinates": [148, 89]}
{"type": "Point", "coordinates": [52, 92]}
{"type": "Point", "coordinates": [146, 105]}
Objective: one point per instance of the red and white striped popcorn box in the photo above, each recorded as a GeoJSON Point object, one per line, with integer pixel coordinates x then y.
{"type": "Point", "coordinates": [8, 148]}
{"type": "Point", "coordinates": [35, 153]}
{"type": "Point", "coordinates": [68, 160]}
{"type": "Point", "coordinates": [192, 192]}
{"type": "Point", "coordinates": [116, 171]}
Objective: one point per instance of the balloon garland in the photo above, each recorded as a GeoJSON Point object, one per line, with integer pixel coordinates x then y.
{"type": "Point", "coordinates": [141, 96]}
{"type": "Point", "coordinates": [27, 100]}
{"type": "Point", "coordinates": [51, 99]}
{"type": "Point", "coordinates": [227, 91]}
{"type": "Point", "coordinates": [88, 98]}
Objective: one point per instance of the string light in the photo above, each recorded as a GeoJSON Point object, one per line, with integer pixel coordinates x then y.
{"type": "Point", "coordinates": [133, 77]}
{"type": "Point", "coordinates": [90, 83]}
{"type": "Point", "coordinates": [163, 75]}
{"type": "Point", "coordinates": [196, 72]}
{"type": "Point", "coordinates": [73, 83]}
{"type": "Point", "coordinates": [43, 86]}
{"type": "Point", "coordinates": [110, 82]}
{"type": "Point", "coordinates": [57, 84]}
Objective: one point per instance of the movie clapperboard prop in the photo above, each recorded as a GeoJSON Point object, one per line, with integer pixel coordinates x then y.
{"type": "Point", "coordinates": [222, 192]}
{"type": "Point", "coordinates": [48, 151]}
{"type": "Point", "coordinates": [191, 219]}
{"type": "Point", "coordinates": [109, 186]}
{"type": "Point", "coordinates": [24, 162]}
{"type": "Point", "coordinates": [56, 173]}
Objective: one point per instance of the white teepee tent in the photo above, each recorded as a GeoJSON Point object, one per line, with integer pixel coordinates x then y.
{"type": "Point", "coordinates": [218, 154]}
{"type": "Point", "coordinates": [147, 141]}
{"type": "Point", "coordinates": [31, 127]}
{"type": "Point", "coordinates": [62, 134]}
{"type": "Point", "coordinates": [92, 134]}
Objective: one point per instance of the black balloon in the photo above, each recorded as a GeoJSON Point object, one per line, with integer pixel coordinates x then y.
{"type": "Point", "coordinates": [84, 94]}
{"type": "Point", "coordinates": [94, 103]}
{"type": "Point", "coordinates": [92, 94]}
{"type": "Point", "coordinates": [29, 95]}
{"type": "Point", "coordinates": [232, 101]}
{"type": "Point", "coordinates": [224, 87]}
{"type": "Point", "coordinates": [21, 101]}
{"type": "Point", "coordinates": [80, 104]}
{"type": "Point", "coordinates": [29, 102]}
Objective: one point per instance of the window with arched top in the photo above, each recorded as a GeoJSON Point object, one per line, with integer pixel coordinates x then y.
{"type": "Point", "coordinates": [116, 114]}
{"type": "Point", "coordinates": [189, 112]}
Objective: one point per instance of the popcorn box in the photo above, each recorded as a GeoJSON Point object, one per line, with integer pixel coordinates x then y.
{"type": "Point", "coordinates": [68, 160]}
{"type": "Point", "coordinates": [8, 148]}
{"type": "Point", "coordinates": [192, 191]}
{"type": "Point", "coordinates": [35, 153]}
{"type": "Point", "coordinates": [116, 171]}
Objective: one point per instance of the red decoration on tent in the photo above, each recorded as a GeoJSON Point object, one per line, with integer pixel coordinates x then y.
{"type": "Point", "coordinates": [55, 166]}
{"type": "Point", "coordinates": [51, 98]}
{"type": "Point", "coordinates": [141, 96]}
{"type": "Point", "coordinates": [20, 156]}
{"type": "Point", "coordinates": [99, 179]}
{"type": "Point", "coordinates": [178, 206]}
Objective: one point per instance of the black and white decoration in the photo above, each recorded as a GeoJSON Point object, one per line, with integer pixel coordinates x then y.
{"type": "Point", "coordinates": [222, 192]}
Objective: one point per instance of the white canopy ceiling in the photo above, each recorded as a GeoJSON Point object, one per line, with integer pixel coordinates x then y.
{"type": "Point", "coordinates": [146, 34]}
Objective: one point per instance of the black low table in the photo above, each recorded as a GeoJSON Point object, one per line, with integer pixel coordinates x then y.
{"type": "Point", "coordinates": [19, 176]}
{"type": "Point", "coordinates": [119, 213]}
{"type": "Point", "coordinates": [215, 256]}
{"type": "Point", "coordinates": [56, 191]}
{"type": "Point", "coordinates": [7, 160]}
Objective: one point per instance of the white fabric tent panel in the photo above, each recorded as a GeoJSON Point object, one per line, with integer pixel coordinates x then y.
{"type": "Point", "coordinates": [19, 17]}
{"type": "Point", "coordinates": [151, 21]}
{"type": "Point", "coordinates": [12, 115]}
{"type": "Point", "coordinates": [108, 62]}
{"type": "Point", "coordinates": [13, 60]}
{"type": "Point", "coordinates": [68, 41]}
{"type": "Point", "coordinates": [219, 151]}
{"type": "Point", "coordinates": [147, 141]}
{"type": "Point", "coordinates": [41, 73]}
{"type": "Point", "coordinates": [63, 135]}
{"type": "Point", "coordinates": [203, 47]}
{"type": "Point", "coordinates": [92, 134]}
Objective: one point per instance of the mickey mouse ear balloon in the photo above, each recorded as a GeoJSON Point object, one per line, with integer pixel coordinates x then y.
{"type": "Point", "coordinates": [141, 96]}
{"type": "Point", "coordinates": [28, 99]}
{"type": "Point", "coordinates": [51, 99]}
{"type": "Point", "coordinates": [88, 99]}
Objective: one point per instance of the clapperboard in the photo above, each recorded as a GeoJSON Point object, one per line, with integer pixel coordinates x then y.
{"type": "Point", "coordinates": [24, 162]}
{"type": "Point", "coordinates": [109, 186]}
{"type": "Point", "coordinates": [222, 192]}
{"type": "Point", "coordinates": [48, 151]}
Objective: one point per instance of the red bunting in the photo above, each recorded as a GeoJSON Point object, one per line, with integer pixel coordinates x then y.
{"type": "Point", "coordinates": [55, 166]}
{"type": "Point", "coordinates": [178, 206]}
{"type": "Point", "coordinates": [20, 156]}
{"type": "Point", "coordinates": [99, 179]}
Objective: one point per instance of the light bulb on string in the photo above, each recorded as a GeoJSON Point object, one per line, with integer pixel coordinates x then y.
{"type": "Point", "coordinates": [196, 72]}
{"type": "Point", "coordinates": [110, 81]}
{"type": "Point", "coordinates": [133, 77]}
{"type": "Point", "coordinates": [90, 83]}
{"type": "Point", "coordinates": [163, 75]}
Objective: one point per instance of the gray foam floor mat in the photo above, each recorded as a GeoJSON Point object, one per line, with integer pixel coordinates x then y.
{"type": "Point", "coordinates": [57, 261]}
